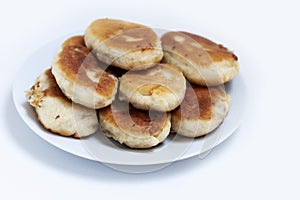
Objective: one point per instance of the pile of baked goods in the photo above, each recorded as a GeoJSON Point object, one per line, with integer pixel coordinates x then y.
{"type": "Point", "coordinates": [138, 86]}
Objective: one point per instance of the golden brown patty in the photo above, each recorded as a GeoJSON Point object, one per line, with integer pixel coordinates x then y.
{"type": "Point", "coordinates": [202, 110]}
{"type": "Point", "coordinates": [124, 44]}
{"type": "Point", "coordinates": [133, 127]}
{"type": "Point", "coordinates": [202, 61]}
{"type": "Point", "coordinates": [80, 76]}
{"type": "Point", "coordinates": [160, 87]}
{"type": "Point", "coordinates": [56, 112]}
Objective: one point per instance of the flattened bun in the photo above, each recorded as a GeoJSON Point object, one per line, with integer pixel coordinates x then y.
{"type": "Point", "coordinates": [80, 76]}
{"type": "Point", "coordinates": [161, 87]}
{"type": "Point", "coordinates": [123, 44]}
{"type": "Point", "coordinates": [202, 61]}
{"type": "Point", "coordinates": [133, 127]}
{"type": "Point", "coordinates": [57, 113]}
{"type": "Point", "coordinates": [202, 110]}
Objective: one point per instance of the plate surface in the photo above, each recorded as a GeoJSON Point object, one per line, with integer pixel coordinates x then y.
{"type": "Point", "coordinates": [98, 147]}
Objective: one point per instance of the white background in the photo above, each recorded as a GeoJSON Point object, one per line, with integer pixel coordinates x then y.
{"type": "Point", "coordinates": [261, 160]}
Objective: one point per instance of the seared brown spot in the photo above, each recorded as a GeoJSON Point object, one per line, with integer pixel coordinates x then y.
{"type": "Point", "coordinates": [53, 89]}
{"type": "Point", "coordinates": [135, 120]}
{"type": "Point", "coordinates": [75, 59]}
{"type": "Point", "coordinates": [123, 35]}
{"type": "Point", "coordinates": [35, 95]}
{"type": "Point", "coordinates": [198, 102]}
{"type": "Point", "coordinates": [142, 35]}
{"type": "Point", "coordinates": [151, 124]}
{"type": "Point", "coordinates": [195, 46]}
{"type": "Point", "coordinates": [72, 57]}
{"type": "Point", "coordinates": [217, 51]}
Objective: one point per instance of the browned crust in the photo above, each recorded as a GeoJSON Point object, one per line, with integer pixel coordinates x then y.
{"type": "Point", "coordinates": [135, 121]}
{"type": "Point", "coordinates": [75, 58]}
{"type": "Point", "coordinates": [53, 89]}
{"type": "Point", "coordinates": [36, 95]}
{"type": "Point", "coordinates": [217, 51]}
{"type": "Point", "coordinates": [198, 102]}
{"type": "Point", "coordinates": [115, 32]}
{"type": "Point", "coordinates": [149, 88]}
{"type": "Point", "coordinates": [205, 47]}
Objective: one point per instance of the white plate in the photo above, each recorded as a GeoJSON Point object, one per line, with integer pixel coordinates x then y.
{"type": "Point", "coordinates": [100, 148]}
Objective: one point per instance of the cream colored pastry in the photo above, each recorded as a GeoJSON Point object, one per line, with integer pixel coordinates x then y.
{"type": "Point", "coordinates": [57, 113]}
{"type": "Point", "coordinates": [161, 87]}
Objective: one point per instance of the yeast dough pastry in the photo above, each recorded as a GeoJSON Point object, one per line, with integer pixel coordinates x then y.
{"type": "Point", "coordinates": [202, 61]}
{"type": "Point", "coordinates": [80, 76]}
{"type": "Point", "coordinates": [202, 110]}
{"type": "Point", "coordinates": [161, 87]}
{"type": "Point", "coordinates": [57, 113]}
{"type": "Point", "coordinates": [123, 44]}
{"type": "Point", "coordinates": [133, 127]}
